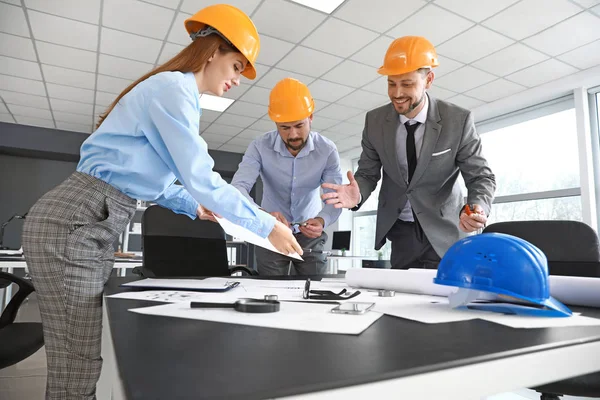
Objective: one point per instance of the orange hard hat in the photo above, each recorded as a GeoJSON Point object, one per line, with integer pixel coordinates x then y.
{"type": "Point", "coordinates": [233, 25]}
{"type": "Point", "coordinates": [407, 54]}
{"type": "Point", "coordinates": [290, 100]}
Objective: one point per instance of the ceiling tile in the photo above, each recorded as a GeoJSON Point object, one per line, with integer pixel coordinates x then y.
{"type": "Point", "coordinates": [120, 67]}
{"type": "Point", "coordinates": [7, 118]}
{"type": "Point", "coordinates": [584, 57]}
{"type": "Point", "coordinates": [54, 54]}
{"type": "Point", "coordinates": [270, 79]}
{"type": "Point", "coordinates": [587, 3]}
{"type": "Point", "coordinates": [465, 102]}
{"type": "Point", "coordinates": [235, 120]}
{"type": "Point", "coordinates": [13, 2]}
{"type": "Point", "coordinates": [29, 111]}
{"type": "Point", "coordinates": [169, 51]}
{"type": "Point", "coordinates": [44, 123]}
{"type": "Point", "coordinates": [111, 84]}
{"type": "Point", "coordinates": [15, 46]}
{"type": "Point", "coordinates": [69, 77]}
{"type": "Point", "coordinates": [137, 17]}
{"type": "Point", "coordinates": [596, 10]}
{"type": "Point", "coordinates": [251, 133]}
{"type": "Point", "coordinates": [541, 73]}
{"type": "Point", "coordinates": [439, 93]}
{"type": "Point", "coordinates": [22, 85]}
{"type": "Point", "coordinates": [87, 11]}
{"type": "Point", "coordinates": [321, 123]}
{"type": "Point", "coordinates": [346, 144]}
{"type": "Point", "coordinates": [215, 138]}
{"type": "Point", "coordinates": [510, 59]}
{"type": "Point", "coordinates": [377, 15]}
{"type": "Point", "coordinates": [223, 130]}
{"type": "Point", "coordinates": [71, 107]}
{"type": "Point", "coordinates": [263, 125]}
{"type": "Point", "coordinates": [236, 92]}
{"type": "Point", "coordinates": [464, 79]}
{"type": "Point", "coordinates": [68, 126]}
{"type": "Point", "coordinates": [261, 70]}
{"type": "Point", "coordinates": [374, 52]}
{"type": "Point", "coordinates": [193, 6]}
{"type": "Point", "coordinates": [232, 148]}
{"type": "Point", "coordinates": [495, 90]}
{"type": "Point", "coordinates": [129, 46]}
{"type": "Point", "coordinates": [302, 60]}
{"type": "Point", "coordinates": [379, 85]}
{"type": "Point", "coordinates": [209, 116]}
{"type": "Point", "coordinates": [213, 146]}
{"type": "Point", "coordinates": [97, 111]}
{"type": "Point", "coordinates": [473, 44]}
{"type": "Point", "coordinates": [105, 99]}
{"type": "Point", "coordinates": [3, 109]}
{"type": "Point", "coordinates": [165, 3]}
{"type": "Point", "coordinates": [328, 91]}
{"type": "Point", "coordinates": [345, 129]}
{"type": "Point", "coordinates": [241, 141]}
{"type": "Point", "coordinates": [257, 95]}
{"type": "Point", "coordinates": [285, 20]}
{"type": "Point", "coordinates": [64, 31]}
{"type": "Point", "coordinates": [13, 20]}
{"type": "Point", "coordinates": [434, 23]}
{"type": "Point", "coordinates": [476, 10]}
{"type": "Point", "coordinates": [339, 112]}
{"type": "Point", "coordinates": [20, 68]}
{"type": "Point", "coordinates": [72, 118]}
{"type": "Point", "coordinates": [178, 33]}
{"type": "Point", "coordinates": [272, 50]}
{"type": "Point", "coordinates": [517, 22]}
{"type": "Point", "coordinates": [446, 66]}
{"type": "Point", "coordinates": [70, 93]}
{"type": "Point", "coordinates": [358, 119]}
{"type": "Point", "coordinates": [329, 38]}
{"type": "Point", "coordinates": [351, 73]}
{"type": "Point", "coordinates": [574, 32]}
{"type": "Point", "coordinates": [363, 100]}
{"type": "Point", "coordinates": [334, 135]}
{"type": "Point", "coordinates": [25, 99]}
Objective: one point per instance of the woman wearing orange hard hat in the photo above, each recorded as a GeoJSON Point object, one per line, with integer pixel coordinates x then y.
{"type": "Point", "coordinates": [146, 140]}
{"type": "Point", "coordinates": [421, 144]}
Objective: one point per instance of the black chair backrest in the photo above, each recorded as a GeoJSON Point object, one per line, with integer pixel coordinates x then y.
{"type": "Point", "coordinates": [572, 247]}
{"type": "Point", "coordinates": [176, 245]}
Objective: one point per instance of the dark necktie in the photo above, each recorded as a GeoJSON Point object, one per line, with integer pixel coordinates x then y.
{"type": "Point", "coordinates": [411, 150]}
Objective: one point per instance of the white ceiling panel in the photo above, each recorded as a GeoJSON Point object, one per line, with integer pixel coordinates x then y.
{"type": "Point", "coordinates": [338, 112]}
{"type": "Point", "coordinates": [70, 93]}
{"type": "Point", "coordinates": [363, 100]}
{"type": "Point", "coordinates": [165, 3]}
{"type": "Point", "coordinates": [321, 123]}
{"type": "Point", "coordinates": [583, 57]}
{"type": "Point", "coordinates": [473, 44]}
{"type": "Point", "coordinates": [263, 125]}
{"type": "Point", "coordinates": [373, 53]}
{"type": "Point", "coordinates": [20, 68]}
{"type": "Point", "coordinates": [68, 126]}
{"type": "Point", "coordinates": [517, 22]}
{"type": "Point", "coordinates": [69, 77]}
{"type": "Point", "coordinates": [13, 2]}
{"type": "Point", "coordinates": [465, 101]}
{"type": "Point", "coordinates": [596, 9]}
{"type": "Point", "coordinates": [379, 85]}
{"type": "Point", "coordinates": [495, 90]}
{"type": "Point", "coordinates": [169, 51]}
{"type": "Point", "coordinates": [434, 23]}
{"type": "Point", "coordinates": [301, 60]}
{"type": "Point", "coordinates": [541, 73]}
{"type": "Point", "coordinates": [328, 91]}
{"type": "Point", "coordinates": [272, 50]}
{"type": "Point", "coordinates": [72, 118]}
{"type": "Point", "coordinates": [18, 47]}
{"type": "Point", "coordinates": [29, 111]}
{"type": "Point", "coordinates": [567, 35]}
{"type": "Point", "coordinates": [257, 95]}
{"type": "Point", "coordinates": [13, 20]}
{"type": "Point", "coordinates": [476, 10]}
{"type": "Point", "coordinates": [345, 129]}
{"type": "Point", "coordinates": [351, 73]}
{"type": "Point", "coordinates": [193, 6]}
{"type": "Point", "coordinates": [178, 32]}
{"type": "Point", "coordinates": [358, 119]}
{"type": "Point", "coordinates": [215, 138]}
{"type": "Point", "coordinates": [7, 118]}
{"type": "Point", "coordinates": [223, 130]}
{"type": "Point", "coordinates": [3, 109]}
{"type": "Point", "coordinates": [72, 107]}
{"type": "Point", "coordinates": [137, 17]}
{"type": "Point", "coordinates": [446, 66]}
{"type": "Point", "coordinates": [86, 10]}
{"type": "Point", "coordinates": [235, 120]}
{"type": "Point", "coordinates": [376, 15]}
{"type": "Point", "coordinates": [251, 133]}
{"type": "Point", "coordinates": [510, 59]}
{"type": "Point", "coordinates": [25, 99]}
{"type": "Point", "coordinates": [22, 85]}
{"type": "Point", "coordinates": [270, 79]}
{"type": "Point", "coordinates": [439, 93]}
{"type": "Point", "coordinates": [130, 46]}
{"type": "Point", "coordinates": [334, 136]}
{"type": "Point", "coordinates": [209, 116]}
{"type": "Point", "coordinates": [105, 99]}
{"type": "Point", "coordinates": [111, 84]}
{"type": "Point", "coordinates": [464, 79]}
{"type": "Point", "coordinates": [240, 141]}
{"type": "Point", "coordinates": [237, 91]}
{"type": "Point", "coordinates": [274, 18]}
{"type": "Point", "coordinates": [64, 31]}
{"type": "Point", "coordinates": [232, 148]}
{"type": "Point", "coordinates": [62, 56]}
{"type": "Point", "coordinates": [44, 123]}
{"type": "Point", "coordinates": [587, 3]}
{"type": "Point", "coordinates": [120, 67]}
{"type": "Point", "coordinates": [339, 37]}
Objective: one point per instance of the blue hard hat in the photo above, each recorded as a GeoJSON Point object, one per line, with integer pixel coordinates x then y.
{"type": "Point", "coordinates": [506, 265]}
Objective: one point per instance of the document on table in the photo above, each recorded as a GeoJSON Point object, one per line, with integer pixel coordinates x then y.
{"type": "Point", "coordinates": [292, 316]}
{"type": "Point", "coordinates": [207, 285]}
{"type": "Point", "coordinates": [244, 234]}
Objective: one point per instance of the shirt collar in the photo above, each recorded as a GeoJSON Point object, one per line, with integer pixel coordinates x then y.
{"type": "Point", "coordinates": [421, 116]}
{"type": "Point", "coordinates": [281, 149]}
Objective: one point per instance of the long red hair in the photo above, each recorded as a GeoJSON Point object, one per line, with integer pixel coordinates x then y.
{"type": "Point", "coordinates": [193, 58]}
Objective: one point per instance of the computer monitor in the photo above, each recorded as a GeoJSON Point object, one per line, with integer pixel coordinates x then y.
{"type": "Point", "coordinates": [341, 240]}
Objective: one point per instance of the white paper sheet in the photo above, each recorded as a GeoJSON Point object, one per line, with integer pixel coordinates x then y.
{"type": "Point", "coordinates": [182, 284]}
{"type": "Point", "coordinates": [176, 296]}
{"type": "Point", "coordinates": [292, 316]}
{"type": "Point", "coordinates": [250, 237]}
{"type": "Point", "coordinates": [575, 290]}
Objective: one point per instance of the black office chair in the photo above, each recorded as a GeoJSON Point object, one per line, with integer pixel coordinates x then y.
{"type": "Point", "coordinates": [572, 249]}
{"type": "Point", "coordinates": [174, 245]}
{"type": "Point", "coordinates": [19, 339]}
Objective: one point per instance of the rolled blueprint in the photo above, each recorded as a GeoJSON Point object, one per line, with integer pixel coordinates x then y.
{"type": "Point", "coordinates": [576, 290]}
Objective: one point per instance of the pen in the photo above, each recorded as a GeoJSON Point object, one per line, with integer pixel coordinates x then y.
{"type": "Point", "coordinates": [326, 252]}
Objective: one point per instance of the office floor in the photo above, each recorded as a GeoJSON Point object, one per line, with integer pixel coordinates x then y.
{"type": "Point", "coordinates": [27, 380]}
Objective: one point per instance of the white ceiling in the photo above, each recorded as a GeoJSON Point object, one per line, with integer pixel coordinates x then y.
{"type": "Point", "coordinates": [62, 62]}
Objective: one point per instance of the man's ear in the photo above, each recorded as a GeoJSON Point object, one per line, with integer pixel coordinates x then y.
{"type": "Point", "coordinates": [212, 57]}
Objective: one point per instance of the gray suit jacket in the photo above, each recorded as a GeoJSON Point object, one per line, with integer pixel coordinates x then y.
{"type": "Point", "coordinates": [434, 192]}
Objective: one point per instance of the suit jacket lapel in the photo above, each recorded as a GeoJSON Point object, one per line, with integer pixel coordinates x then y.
{"type": "Point", "coordinates": [389, 130]}
{"type": "Point", "coordinates": [430, 138]}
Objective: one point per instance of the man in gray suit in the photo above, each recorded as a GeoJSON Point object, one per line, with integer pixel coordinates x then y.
{"type": "Point", "coordinates": [422, 144]}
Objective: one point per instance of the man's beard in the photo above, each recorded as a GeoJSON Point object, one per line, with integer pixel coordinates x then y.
{"type": "Point", "coordinates": [414, 105]}
{"type": "Point", "coordinates": [296, 147]}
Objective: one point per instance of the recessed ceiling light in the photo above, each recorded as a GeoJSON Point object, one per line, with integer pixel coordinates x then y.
{"type": "Point", "coordinates": [326, 6]}
{"type": "Point", "coordinates": [214, 103]}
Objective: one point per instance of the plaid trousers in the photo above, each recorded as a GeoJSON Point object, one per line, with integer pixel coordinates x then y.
{"type": "Point", "coordinates": [68, 241]}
